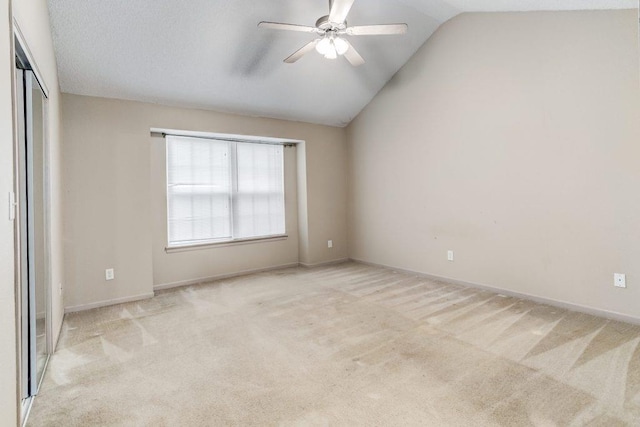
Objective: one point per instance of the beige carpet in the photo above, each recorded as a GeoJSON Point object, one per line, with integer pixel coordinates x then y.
{"type": "Point", "coordinates": [343, 345]}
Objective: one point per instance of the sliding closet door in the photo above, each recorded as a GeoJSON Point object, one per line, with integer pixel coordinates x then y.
{"type": "Point", "coordinates": [25, 324]}
{"type": "Point", "coordinates": [37, 212]}
{"type": "Point", "coordinates": [33, 220]}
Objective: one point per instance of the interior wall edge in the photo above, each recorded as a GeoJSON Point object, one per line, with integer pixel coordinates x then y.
{"type": "Point", "coordinates": [593, 311]}
{"type": "Point", "coordinates": [58, 333]}
{"type": "Point", "coordinates": [303, 215]}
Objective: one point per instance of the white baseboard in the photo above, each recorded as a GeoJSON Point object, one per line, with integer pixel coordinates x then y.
{"type": "Point", "coordinates": [105, 303]}
{"type": "Point", "coordinates": [324, 263]}
{"type": "Point", "coordinates": [542, 300]}
{"type": "Point", "coordinates": [171, 285]}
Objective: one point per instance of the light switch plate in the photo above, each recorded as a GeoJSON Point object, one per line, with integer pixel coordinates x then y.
{"type": "Point", "coordinates": [12, 206]}
{"type": "Point", "coordinates": [620, 280]}
{"type": "Point", "coordinates": [450, 255]}
{"type": "Point", "coordinates": [329, 243]}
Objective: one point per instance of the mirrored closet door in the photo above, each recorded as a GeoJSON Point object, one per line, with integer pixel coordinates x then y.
{"type": "Point", "coordinates": [33, 208]}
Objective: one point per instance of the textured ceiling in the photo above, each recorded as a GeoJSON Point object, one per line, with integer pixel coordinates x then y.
{"type": "Point", "coordinates": [210, 54]}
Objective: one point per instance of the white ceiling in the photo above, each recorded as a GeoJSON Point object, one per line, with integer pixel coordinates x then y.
{"type": "Point", "coordinates": [210, 54]}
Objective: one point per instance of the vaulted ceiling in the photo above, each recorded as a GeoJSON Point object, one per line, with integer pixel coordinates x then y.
{"type": "Point", "coordinates": [210, 54]}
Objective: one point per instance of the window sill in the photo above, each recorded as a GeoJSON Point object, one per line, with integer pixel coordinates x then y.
{"type": "Point", "coordinates": [210, 245]}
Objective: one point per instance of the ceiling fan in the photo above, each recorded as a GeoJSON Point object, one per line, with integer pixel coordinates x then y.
{"type": "Point", "coordinates": [332, 28]}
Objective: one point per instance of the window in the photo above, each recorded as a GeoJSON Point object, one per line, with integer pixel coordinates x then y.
{"type": "Point", "coordinates": [219, 191]}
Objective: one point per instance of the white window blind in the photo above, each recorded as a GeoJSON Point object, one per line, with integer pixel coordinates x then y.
{"type": "Point", "coordinates": [223, 190]}
{"type": "Point", "coordinates": [258, 202]}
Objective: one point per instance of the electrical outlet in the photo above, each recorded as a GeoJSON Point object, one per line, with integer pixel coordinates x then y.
{"type": "Point", "coordinates": [109, 274]}
{"type": "Point", "coordinates": [329, 243]}
{"type": "Point", "coordinates": [450, 255]}
{"type": "Point", "coordinates": [619, 280]}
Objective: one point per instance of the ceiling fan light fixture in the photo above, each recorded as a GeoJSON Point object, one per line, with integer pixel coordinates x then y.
{"type": "Point", "coordinates": [331, 53]}
{"type": "Point", "coordinates": [341, 45]}
{"type": "Point", "coordinates": [324, 45]}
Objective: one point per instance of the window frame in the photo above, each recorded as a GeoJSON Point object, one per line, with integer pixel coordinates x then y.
{"type": "Point", "coordinates": [232, 140]}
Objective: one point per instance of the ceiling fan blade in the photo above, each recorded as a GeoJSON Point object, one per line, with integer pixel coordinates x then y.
{"type": "Point", "coordinates": [353, 56]}
{"type": "Point", "coordinates": [339, 10]}
{"type": "Point", "coordinates": [377, 30]}
{"type": "Point", "coordinates": [302, 51]}
{"type": "Point", "coordinates": [287, 27]}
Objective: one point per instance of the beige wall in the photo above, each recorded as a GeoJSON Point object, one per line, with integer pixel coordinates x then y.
{"type": "Point", "coordinates": [514, 140]}
{"type": "Point", "coordinates": [106, 157]}
{"type": "Point", "coordinates": [115, 203]}
{"type": "Point", "coordinates": [326, 167]}
{"type": "Point", "coordinates": [33, 19]}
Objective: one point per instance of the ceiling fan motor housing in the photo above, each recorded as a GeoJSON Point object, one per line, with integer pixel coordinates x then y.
{"type": "Point", "coordinates": [324, 24]}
